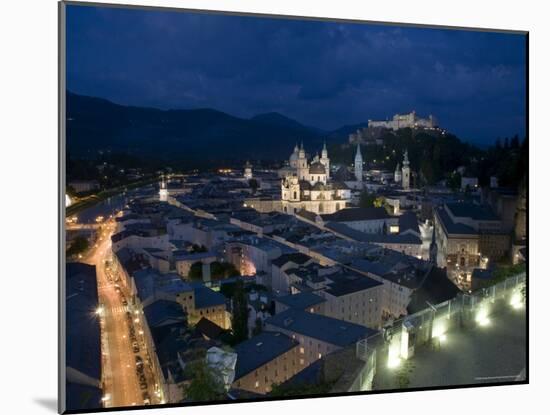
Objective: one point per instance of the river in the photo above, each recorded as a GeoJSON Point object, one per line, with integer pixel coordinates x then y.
{"type": "Point", "coordinates": [112, 204]}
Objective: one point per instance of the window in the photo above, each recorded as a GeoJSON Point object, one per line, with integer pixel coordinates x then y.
{"type": "Point", "coordinates": [257, 384]}
{"type": "Point", "coordinates": [302, 350]}
{"type": "Point", "coordinates": [301, 361]}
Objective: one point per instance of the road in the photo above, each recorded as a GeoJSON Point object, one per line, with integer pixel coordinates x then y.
{"type": "Point", "coordinates": [122, 387]}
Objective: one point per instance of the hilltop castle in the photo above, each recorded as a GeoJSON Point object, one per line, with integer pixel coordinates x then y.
{"type": "Point", "coordinates": [375, 130]}
{"type": "Point", "coordinates": [410, 120]}
{"type": "Point", "coordinates": [307, 185]}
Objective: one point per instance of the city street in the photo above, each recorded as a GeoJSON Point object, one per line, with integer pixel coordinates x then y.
{"type": "Point", "coordinates": [122, 385]}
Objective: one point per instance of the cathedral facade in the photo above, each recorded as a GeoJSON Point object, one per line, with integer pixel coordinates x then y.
{"type": "Point", "coordinates": [306, 185]}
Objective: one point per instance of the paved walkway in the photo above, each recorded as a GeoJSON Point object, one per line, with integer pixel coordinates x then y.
{"type": "Point", "coordinates": [495, 353]}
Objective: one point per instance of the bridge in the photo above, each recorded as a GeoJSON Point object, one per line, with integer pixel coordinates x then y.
{"type": "Point", "coordinates": [82, 226]}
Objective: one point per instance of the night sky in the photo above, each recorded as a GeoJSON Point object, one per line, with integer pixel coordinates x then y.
{"type": "Point", "coordinates": [323, 74]}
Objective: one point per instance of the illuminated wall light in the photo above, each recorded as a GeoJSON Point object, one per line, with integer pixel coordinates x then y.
{"type": "Point", "coordinates": [393, 355]}
{"type": "Point", "coordinates": [482, 317]}
{"type": "Point", "coordinates": [439, 330]}
{"type": "Point", "coordinates": [516, 301]}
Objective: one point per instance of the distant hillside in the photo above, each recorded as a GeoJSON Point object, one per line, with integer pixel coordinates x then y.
{"type": "Point", "coordinates": [274, 119]}
{"type": "Point", "coordinates": [95, 124]}
{"type": "Point", "coordinates": [342, 134]}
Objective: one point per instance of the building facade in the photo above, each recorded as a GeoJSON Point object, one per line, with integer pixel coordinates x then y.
{"type": "Point", "coordinates": [307, 186]}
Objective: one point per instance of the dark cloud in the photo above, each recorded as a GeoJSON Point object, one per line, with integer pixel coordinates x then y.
{"type": "Point", "coordinates": [325, 74]}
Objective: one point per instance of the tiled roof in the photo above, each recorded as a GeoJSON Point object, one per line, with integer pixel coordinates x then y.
{"type": "Point", "coordinates": [259, 350]}
{"type": "Point", "coordinates": [327, 329]}
{"type": "Point", "coordinates": [301, 301]}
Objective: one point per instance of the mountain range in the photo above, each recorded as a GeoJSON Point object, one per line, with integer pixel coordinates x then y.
{"type": "Point", "coordinates": [96, 124]}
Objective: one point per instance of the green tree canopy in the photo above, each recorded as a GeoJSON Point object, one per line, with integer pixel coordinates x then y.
{"type": "Point", "coordinates": [239, 319]}
{"type": "Point", "coordinates": [78, 246]}
{"type": "Point", "coordinates": [205, 385]}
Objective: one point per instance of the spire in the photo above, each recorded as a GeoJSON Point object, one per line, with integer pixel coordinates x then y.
{"type": "Point", "coordinates": [324, 152]}
{"type": "Point", "coordinates": [302, 145]}
{"type": "Point", "coordinates": [296, 148]}
{"type": "Point", "coordinates": [406, 158]}
{"type": "Point", "coordinates": [358, 164]}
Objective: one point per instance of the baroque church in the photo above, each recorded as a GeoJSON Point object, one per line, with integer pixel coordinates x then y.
{"type": "Point", "coordinates": [307, 185]}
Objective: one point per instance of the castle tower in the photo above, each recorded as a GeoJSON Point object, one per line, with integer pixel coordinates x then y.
{"type": "Point", "coordinates": [358, 164]}
{"type": "Point", "coordinates": [302, 167]}
{"type": "Point", "coordinates": [248, 170]}
{"type": "Point", "coordinates": [163, 192]}
{"type": "Point", "coordinates": [397, 174]}
{"type": "Point", "coordinates": [324, 160]}
{"type": "Point", "coordinates": [406, 175]}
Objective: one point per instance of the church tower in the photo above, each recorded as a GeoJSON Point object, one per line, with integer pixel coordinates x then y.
{"type": "Point", "coordinates": [163, 192]}
{"type": "Point", "coordinates": [303, 169]}
{"type": "Point", "coordinates": [406, 175]}
{"type": "Point", "coordinates": [358, 164]}
{"type": "Point", "coordinates": [248, 170]}
{"type": "Point", "coordinates": [324, 160]}
{"type": "Point", "coordinates": [397, 174]}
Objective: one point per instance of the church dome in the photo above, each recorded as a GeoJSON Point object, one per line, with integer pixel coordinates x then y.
{"type": "Point", "coordinates": [317, 168]}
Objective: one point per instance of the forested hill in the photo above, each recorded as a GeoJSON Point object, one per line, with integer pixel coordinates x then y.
{"type": "Point", "coordinates": [97, 125]}
{"type": "Point", "coordinates": [435, 158]}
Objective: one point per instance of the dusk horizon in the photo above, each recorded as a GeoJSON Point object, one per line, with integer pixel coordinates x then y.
{"type": "Point", "coordinates": [341, 73]}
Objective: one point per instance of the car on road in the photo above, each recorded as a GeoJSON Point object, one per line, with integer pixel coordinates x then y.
{"type": "Point", "coordinates": [143, 385]}
{"type": "Point", "coordinates": [146, 398]}
{"type": "Point", "coordinates": [139, 360]}
{"type": "Point", "coordinates": [135, 347]}
{"type": "Point", "coordinates": [124, 302]}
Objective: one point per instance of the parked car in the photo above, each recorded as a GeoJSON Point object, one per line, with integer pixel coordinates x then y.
{"type": "Point", "coordinates": [135, 347]}
{"type": "Point", "coordinates": [143, 385]}
{"type": "Point", "coordinates": [146, 398]}
{"type": "Point", "coordinates": [139, 360]}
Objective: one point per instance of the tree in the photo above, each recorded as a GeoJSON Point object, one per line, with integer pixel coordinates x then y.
{"type": "Point", "coordinates": [239, 320]}
{"type": "Point", "coordinates": [195, 272]}
{"type": "Point", "coordinates": [301, 389]}
{"type": "Point", "coordinates": [378, 202]}
{"type": "Point", "coordinates": [453, 181]}
{"type": "Point", "coordinates": [198, 248]}
{"type": "Point", "coordinates": [222, 270]}
{"type": "Point", "coordinates": [253, 183]}
{"type": "Point", "coordinates": [258, 326]}
{"type": "Point", "coordinates": [206, 383]}
{"type": "Point", "coordinates": [79, 245]}
{"type": "Point", "coordinates": [366, 199]}
{"type": "Point", "coordinates": [514, 142]}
